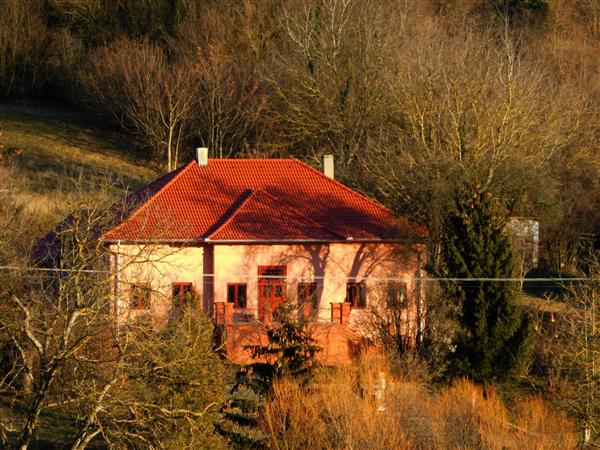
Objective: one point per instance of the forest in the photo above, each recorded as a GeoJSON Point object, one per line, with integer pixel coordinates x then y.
{"type": "Point", "coordinates": [448, 112]}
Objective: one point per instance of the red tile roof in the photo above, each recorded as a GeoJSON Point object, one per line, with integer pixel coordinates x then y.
{"type": "Point", "coordinates": [255, 200]}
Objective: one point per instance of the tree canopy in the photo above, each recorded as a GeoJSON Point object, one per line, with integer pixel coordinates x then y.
{"type": "Point", "coordinates": [493, 341]}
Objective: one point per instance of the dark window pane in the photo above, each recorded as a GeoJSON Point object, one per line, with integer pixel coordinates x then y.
{"type": "Point", "coordinates": [140, 297]}
{"type": "Point", "coordinates": [272, 272]}
{"type": "Point", "coordinates": [188, 295]}
{"type": "Point", "coordinates": [134, 297]}
{"type": "Point", "coordinates": [236, 294]}
{"type": "Point", "coordinates": [182, 294]}
{"type": "Point", "coordinates": [301, 293]}
{"type": "Point", "coordinates": [241, 300]}
{"type": "Point", "coordinates": [356, 295]}
{"type": "Point", "coordinates": [307, 292]}
{"type": "Point", "coordinates": [278, 291]}
{"type": "Point", "coordinates": [312, 294]}
{"type": "Point", "coordinates": [362, 300]}
{"type": "Point", "coordinates": [231, 293]}
{"type": "Point", "coordinates": [397, 294]}
{"type": "Point", "coordinates": [176, 296]}
{"type": "Point", "coordinates": [146, 298]}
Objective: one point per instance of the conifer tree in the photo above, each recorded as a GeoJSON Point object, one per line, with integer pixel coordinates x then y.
{"type": "Point", "coordinates": [493, 342]}
{"type": "Point", "coordinates": [290, 350]}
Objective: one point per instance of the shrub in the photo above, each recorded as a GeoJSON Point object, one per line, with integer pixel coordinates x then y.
{"type": "Point", "coordinates": [342, 409]}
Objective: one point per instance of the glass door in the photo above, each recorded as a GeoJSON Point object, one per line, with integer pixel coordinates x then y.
{"type": "Point", "coordinates": [271, 289]}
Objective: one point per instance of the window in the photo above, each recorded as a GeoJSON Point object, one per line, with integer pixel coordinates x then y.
{"type": "Point", "coordinates": [182, 295]}
{"type": "Point", "coordinates": [307, 293]}
{"type": "Point", "coordinates": [140, 296]}
{"type": "Point", "coordinates": [397, 295]}
{"type": "Point", "coordinates": [272, 272]}
{"type": "Point", "coordinates": [236, 294]}
{"type": "Point", "coordinates": [356, 294]}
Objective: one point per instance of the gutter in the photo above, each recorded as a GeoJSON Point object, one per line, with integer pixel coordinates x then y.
{"type": "Point", "coordinates": [258, 241]}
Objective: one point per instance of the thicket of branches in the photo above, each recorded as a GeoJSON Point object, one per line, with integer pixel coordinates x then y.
{"type": "Point", "coordinates": [412, 98]}
{"type": "Point", "coordinates": [126, 382]}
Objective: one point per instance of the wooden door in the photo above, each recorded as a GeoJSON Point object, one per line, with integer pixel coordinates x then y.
{"type": "Point", "coordinates": [271, 289]}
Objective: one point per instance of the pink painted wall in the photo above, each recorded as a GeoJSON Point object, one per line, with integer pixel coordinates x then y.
{"type": "Point", "coordinates": [157, 266]}
{"type": "Point", "coordinates": [330, 265]}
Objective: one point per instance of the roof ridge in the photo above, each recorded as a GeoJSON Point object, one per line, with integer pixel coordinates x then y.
{"type": "Point", "coordinates": [342, 185]}
{"type": "Point", "coordinates": [295, 211]}
{"type": "Point", "coordinates": [234, 213]}
{"type": "Point", "coordinates": [151, 198]}
{"type": "Point", "coordinates": [251, 159]}
{"type": "Point", "coordinates": [300, 213]}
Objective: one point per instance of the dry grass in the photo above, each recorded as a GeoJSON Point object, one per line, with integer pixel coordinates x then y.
{"type": "Point", "coordinates": [60, 146]}
{"type": "Point", "coordinates": [340, 411]}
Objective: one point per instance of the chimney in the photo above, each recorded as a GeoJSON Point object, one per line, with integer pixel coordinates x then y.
{"type": "Point", "coordinates": [327, 164]}
{"type": "Point", "coordinates": [202, 156]}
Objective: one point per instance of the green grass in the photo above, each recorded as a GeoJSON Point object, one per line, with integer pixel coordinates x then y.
{"type": "Point", "coordinates": [60, 146]}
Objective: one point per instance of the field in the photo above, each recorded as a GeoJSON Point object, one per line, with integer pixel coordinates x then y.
{"type": "Point", "coordinates": [61, 149]}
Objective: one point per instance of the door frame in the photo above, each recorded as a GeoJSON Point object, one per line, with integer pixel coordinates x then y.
{"type": "Point", "coordinates": [264, 281]}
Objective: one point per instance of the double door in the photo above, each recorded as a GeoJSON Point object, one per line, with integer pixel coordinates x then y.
{"type": "Point", "coordinates": [271, 289]}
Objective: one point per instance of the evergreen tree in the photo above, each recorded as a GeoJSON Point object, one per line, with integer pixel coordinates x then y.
{"type": "Point", "coordinates": [241, 412]}
{"type": "Point", "coordinates": [493, 342]}
{"type": "Point", "coordinates": [290, 350]}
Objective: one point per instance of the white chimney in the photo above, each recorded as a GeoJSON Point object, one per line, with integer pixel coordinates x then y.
{"type": "Point", "coordinates": [202, 156]}
{"type": "Point", "coordinates": [327, 164]}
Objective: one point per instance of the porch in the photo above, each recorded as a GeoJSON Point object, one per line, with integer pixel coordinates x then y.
{"type": "Point", "coordinates": [240, 330]}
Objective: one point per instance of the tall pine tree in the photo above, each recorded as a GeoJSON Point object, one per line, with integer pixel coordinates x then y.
{"type": "Point", "coordinates": [493, 343]}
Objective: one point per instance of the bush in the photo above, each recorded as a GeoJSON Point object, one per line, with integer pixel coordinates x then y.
{"type": "Point", "coordinates": [342, 409]}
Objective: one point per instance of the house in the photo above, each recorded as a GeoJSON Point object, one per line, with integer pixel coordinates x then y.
{"type": "Point", "coordinates": [237, 237]}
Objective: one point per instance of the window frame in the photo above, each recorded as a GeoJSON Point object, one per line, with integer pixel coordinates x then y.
{"type": "Point", "coordinates": [236, 303]}
{"type": "Point", "coordinates": [361, 301]}
{"type": "Point", "coordinates": [181, 301]}
{"type": "Point", "coordinates": [393, 289]}
{"type": "Point", "coordinates": [271, 278]}
{"type": "Point", "coordinates": [307, 296]}
{"type": "Point", "coordinates": [137, 302]}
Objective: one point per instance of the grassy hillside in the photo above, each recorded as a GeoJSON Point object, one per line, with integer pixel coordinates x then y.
{"type": "Point", "coordinates": [63, 152]}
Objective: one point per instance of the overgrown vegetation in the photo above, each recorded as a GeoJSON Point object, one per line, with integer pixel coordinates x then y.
{"type": "Point", "coordinates": [133, 383]}
{"type": "Point", "coordinates": [414, 99]}
{"type": "Point", "coordinates": [365, 406]}
{"type": "Point", "coordinates": [289, 353]}
{"type": "Point", "coordinates": [411, 99]}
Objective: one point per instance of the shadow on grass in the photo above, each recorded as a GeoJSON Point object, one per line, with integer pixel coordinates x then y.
{"type": "Point", "coordinates": [56, 431]}
{"type": "Point", "coordinates": [69, 127]}
{"type": "Point", "coordinates": [51, 174]}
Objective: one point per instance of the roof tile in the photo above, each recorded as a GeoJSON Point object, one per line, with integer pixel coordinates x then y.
{"type": "Point", "coordinates": [256, 200]}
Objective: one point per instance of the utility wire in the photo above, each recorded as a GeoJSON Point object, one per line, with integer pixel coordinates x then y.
{"type": "Point", "coordinates": [310, 278]}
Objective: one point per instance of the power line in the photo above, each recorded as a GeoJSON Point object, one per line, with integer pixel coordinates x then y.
{"type": "Point", "coordinates": [320, 277]}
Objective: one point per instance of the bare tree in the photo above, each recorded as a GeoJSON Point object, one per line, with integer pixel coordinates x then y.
{"type": "Point", "coordinates": [232, 103]}
{"type": "Point", "coordinates": [164, 390]}
{"type": "Point", "coordinates": [137, 85]}
{"type": "Point", "coordinates": [21, 43]}
{"type": "Point", "coordinates": [576, 355]}
{"type": "Point", "coordinates": [327, 72]}
{"type": "Point", "coordinates": [472, 106]}
{"type": "Point", "coordinates": [133, 382]}
{"type": "Point", "coordinates": [226, 43]}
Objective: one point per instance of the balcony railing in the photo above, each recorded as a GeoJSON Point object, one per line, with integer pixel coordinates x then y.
{"type": "Point", "coordinates": [226, 314]}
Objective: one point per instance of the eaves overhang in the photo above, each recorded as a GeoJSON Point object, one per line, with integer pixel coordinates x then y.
{"type": "Point", "coordinates": [418, 240]}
